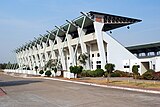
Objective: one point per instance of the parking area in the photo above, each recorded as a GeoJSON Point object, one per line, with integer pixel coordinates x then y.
{"type": "Point", "coordinates": [48, 93]}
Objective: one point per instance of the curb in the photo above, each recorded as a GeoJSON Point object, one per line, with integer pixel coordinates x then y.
{"type": "Point", "coordinates": [106, 86]}
{"type": "Point", "coordinates": [97, 85]}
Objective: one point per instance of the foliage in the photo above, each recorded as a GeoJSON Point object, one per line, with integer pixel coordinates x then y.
{"type": "Point", "coordinates": [50, 64]}
{"type": "Point", "coordinates": [41, 71]}
{"type": "Point", "coordinates": [109, 69]}
{"type": "Point", "coordinates": [9, 65]}
{"type": "Point", "coordinates": [99, 72]}
{"type": "Point", "coordinates": [85, 73]}
{"type": "Point", "coordinates": [54, 69]}
{"type": "Point", "coordinates": [148, 75]}
{"type": "Point", "coordinates": [48, 73]}
{"type": "Point", "coordinates": [135, 71]}
{"type": "Point", "coordinates": [76, 69]}
{"type": "Point", "coordinates": [36, 68]}
{"type": "Point", "coordinates": [115, 74]}
{"type": "Point", "coordinates": [28, 68]}
{"type": "Point", "coordinates": [156, 75]}
{"type": "Point", "coordinates": [82, 58]}
{"type": "Point", "coordinates": [118, 73]}
{"type": "Point", "coordinates": [93, 73]}
{"type": "Point", "coordinates": [3, 65]}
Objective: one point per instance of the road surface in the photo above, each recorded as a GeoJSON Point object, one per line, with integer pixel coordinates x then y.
{"type": "Point", "coordinates": [48, 93]}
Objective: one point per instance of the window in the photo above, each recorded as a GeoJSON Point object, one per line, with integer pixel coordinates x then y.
{"type": "Point", "coordinates": [154, 67]}
{"type": "Point", "coordinates": [98, 62]}
{"type": "Point", "coordinates": [98, 66]}
{"type": "Point", "coordinates": [98, 55]}
{"type": "Point", "coordinates": [92, 55]}
{"type": "Point", "coordinates": [126, 66]}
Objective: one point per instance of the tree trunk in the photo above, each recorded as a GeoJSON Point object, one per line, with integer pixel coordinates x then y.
{"type": "Point", "coordinates": [135, 77]}
{"type": "Point", "coordinates": [108, 76]}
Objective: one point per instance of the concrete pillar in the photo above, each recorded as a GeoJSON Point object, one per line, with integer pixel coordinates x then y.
{"type": "Point", "coordinates": [71, 50]}
{"type": "Point", "coordinates": [61, 53]}
{"type": "Point", "coordinates": [81, 33]}
{"type": "Point", "coordinates": [98, 32]}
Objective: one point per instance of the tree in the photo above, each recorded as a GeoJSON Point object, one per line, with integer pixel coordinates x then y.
{"type": "Point", "coordinates": [76, 69]}
{"type": "Point", "coordinates": [55, 70]}
{"type": "Point", "coordinates": [82, 58]}
{"type": "Point", "coordinates": [49, 64]}
{"type": "Point", "coordinates": [135, 72]}
{"type": "Point", "coordinates": [53, 65]}
{"type": "Point", "coordinates": [36, 68]}
{"type": "Point", "coordinates": [109, 68]}
{"type": "Point", "coordinates": [3, 66]}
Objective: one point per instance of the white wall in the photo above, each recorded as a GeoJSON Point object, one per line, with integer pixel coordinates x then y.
{"type": "Point", "coordinates": [116, 53]}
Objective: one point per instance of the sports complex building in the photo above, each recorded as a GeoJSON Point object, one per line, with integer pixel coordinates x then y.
{"type": "Point", "coordinates": [88, 34]}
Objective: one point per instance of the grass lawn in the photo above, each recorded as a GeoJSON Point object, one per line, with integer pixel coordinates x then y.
{"type": "Point", "coordinates": [127, 83]}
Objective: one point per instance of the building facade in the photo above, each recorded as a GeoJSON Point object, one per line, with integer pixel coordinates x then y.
{"type": "Point", "coordinates": [85, 34]}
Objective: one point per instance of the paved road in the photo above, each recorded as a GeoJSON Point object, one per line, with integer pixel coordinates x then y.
{"type": "Point", "coordinates": [47, 93]}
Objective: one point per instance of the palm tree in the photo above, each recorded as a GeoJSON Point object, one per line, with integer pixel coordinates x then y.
{"type": "Point", "coordinates": [82, 58]}
{"type": "Point", "coordinates": [36, 68]}
{"type": "Point", "coordinates": [52, 65]}
{"type": "Point", "coordinates": [135, 72]}
{"type": "Point", "coordinates": [109, 68]}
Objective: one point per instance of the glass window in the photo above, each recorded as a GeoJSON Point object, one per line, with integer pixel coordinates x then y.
{"type": "Point", "coordinates": [98, 55]}
{"type": "Point", "coordinates": [98, 66]}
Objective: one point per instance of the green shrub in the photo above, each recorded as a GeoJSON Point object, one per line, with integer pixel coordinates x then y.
{"type": "Point", "coordinates": [148, 75]}
{"type": "Point", "coordinates": [99, 72]}
{"type": "Point", "coordinates": [118, 73]}
{"type": "Point", "coordinates": [79, 69]}
{"type": "Point", "coordinates": [114, 74]}
{"type": "Point", "coordinates": [92, 73]}
{"type": "Point", "coordinates": [76, 69]}
{"type": "Point", "coordinates": [54, 69]}
{"type": "Point", "coordinates": [85, 73]}
{"type": "Point", "coordinates": [123, 74]}
{"type": "Point", "coordinates": [48, 73]}
{"type": "Point", "coordinates": [156, 75]}
{"type": "Point", "coordinates": [41, 71]}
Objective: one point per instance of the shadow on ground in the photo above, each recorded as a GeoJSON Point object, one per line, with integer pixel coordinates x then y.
{"type": "Point", "coordinates": [18, 82]}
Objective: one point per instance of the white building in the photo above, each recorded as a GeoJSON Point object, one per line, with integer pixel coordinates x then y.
{"type": "Point", "coordinates": [85, 34]}
{"type": "Point", "coordinates": [148, 57]}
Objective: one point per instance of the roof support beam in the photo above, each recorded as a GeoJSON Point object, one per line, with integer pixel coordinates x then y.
{"type": "Point", "coordinates": [61, 52]}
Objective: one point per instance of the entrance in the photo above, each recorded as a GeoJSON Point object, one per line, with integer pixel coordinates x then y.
{"type": "Point", "coordinates": [144, 67]}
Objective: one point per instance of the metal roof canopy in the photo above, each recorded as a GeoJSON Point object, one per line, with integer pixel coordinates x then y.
{"type": "Point", "coordinates": [110, 22]}
{"type": "Point", "coordinates": [151, 47]}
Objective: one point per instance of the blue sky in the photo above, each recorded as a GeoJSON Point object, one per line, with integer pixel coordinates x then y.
{"type": "Point", "coordinates": [22, 20]}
